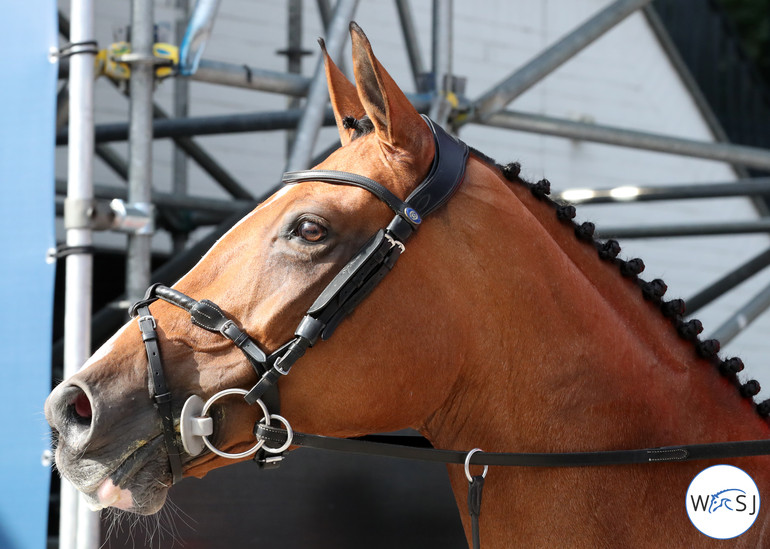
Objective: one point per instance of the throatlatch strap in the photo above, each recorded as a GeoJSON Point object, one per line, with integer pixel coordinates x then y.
{"type": "Point", "coordinates": [160, 392]}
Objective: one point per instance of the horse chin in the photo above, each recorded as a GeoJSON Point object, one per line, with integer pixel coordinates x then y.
{"type": "Point", "coordinates": [137, 483]}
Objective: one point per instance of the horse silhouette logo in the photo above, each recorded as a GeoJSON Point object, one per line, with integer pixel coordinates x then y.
{"type": "Point", "coordinates": [722, 501]}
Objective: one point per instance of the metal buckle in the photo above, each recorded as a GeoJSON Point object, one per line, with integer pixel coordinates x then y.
{"type": "Point", "coordinates": [225, 326]}
{"type": "Point", "coordinates": [277, 367]}
{"type": "Point", "coordinates": [395, 243]}
{"type": "Point", "coordinates": [150, 318]}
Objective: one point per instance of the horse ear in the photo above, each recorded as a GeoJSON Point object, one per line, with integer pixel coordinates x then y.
{"type": "Point", "coordinates": [395, 120]}
{"type": "Point", "coordinates": [343, 96]}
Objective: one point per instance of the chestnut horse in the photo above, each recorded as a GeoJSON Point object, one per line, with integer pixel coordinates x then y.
{"type": "Point", "coordinates": [499, 328]}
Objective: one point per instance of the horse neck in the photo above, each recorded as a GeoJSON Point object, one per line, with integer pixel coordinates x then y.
{"type": "Point", "coordinates": [572, 357]}
{"type": "Point", "coordinates": [568, 356]}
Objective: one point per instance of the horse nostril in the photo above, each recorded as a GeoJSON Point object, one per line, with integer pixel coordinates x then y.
{"type": "Point", "coordinates": [81, 409]}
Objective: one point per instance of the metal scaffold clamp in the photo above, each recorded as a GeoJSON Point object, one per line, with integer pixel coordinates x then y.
{"type": "Point", "coordinates": [117, 215]}
{"type": "Point", "coordinates": [115, 61]}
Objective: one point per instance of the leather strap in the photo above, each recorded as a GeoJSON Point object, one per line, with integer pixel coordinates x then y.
{"type": "Point", "coordinates": [159, 390]}
{"type": "Point", "coordinates": [404, 448]}
{"type": "Point", "coordinates": [378, 256]}
{"type": "Point", "coordinates": [356, 180]}
{"type": "Point", "coordinates": [475, 489]}
{"type": "Point", "coordinates": [447, 171]}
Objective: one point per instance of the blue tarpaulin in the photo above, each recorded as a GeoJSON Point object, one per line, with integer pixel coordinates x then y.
{"type": "Point", "coordinates": [28, 78]}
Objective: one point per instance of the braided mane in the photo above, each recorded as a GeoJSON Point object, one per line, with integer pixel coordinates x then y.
{"type": "Point", "coordinates": [652, 291]}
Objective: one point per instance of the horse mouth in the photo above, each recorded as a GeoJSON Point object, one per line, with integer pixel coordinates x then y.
{"type": "Point", "coordinates": [138, 484]}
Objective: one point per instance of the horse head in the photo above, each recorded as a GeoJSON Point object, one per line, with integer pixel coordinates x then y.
{"type": "Point", "coordinates": [376, 374]}
{"type": "Point", "coordinates": [500, 327]}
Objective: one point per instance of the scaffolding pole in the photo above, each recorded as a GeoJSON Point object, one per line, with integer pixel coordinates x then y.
{"type": "Point", "coordinates": [728, 282]}
{"type": "Point", "coordinates": [761, 225]}
{"type": "Point", "coordinates": [441, 61]}
{"type": "Point", "coordinates": [244, 76]}
{"type": "Point", "coordinates": [745, 316]}
{"type": "Point", "coordinates": [317, 96]}
{"type": "Point", "coordinates": [751, 157]}
{"type": "Point", "coordinates": [758, 186]}
{"type": "Point", "coordinates": [78, 526]}
{"type": "Point", "coordinates": [552, 58]}
{"type": "Point", "coordinates": [179, 129]}
{"type": "Point", "coordinates": [140, 139]}
{"type": "Point", "coordinates": [411, 43]}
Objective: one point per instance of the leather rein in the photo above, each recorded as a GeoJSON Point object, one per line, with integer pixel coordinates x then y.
{"type": "Point", "coordinates": [350, 286]}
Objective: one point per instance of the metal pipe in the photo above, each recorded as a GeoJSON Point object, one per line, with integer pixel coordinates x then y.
{"type": "Point", "coordinates": [204, 160]}
{"type": "Point", "coordinates": [78, 526]}
{"type": "Point", "coordinates": [317, 96]}
{"type": "Point", "coordinates": [172, 200]}
{"type": "Point", "coordinates": [293, 57]}
{"type": "Point", "coordinates": [745, 316]}
{"type": "Point", "coordinates": [180, 129]}
{"type": "Point", "coordinates": [695, 229]}
{"type": "Point", "coordinates": [193, 150]}
{"type": "Point", "coordinates": [244, 76]}
{"type": "Point", "coordinates": [758, 186]}
{"type": "Point", "coordinates": [553, 57]}
{"type": "Point", "coordinates": [325, 12]}
{"type": "Point", "coordinates": [114, 160]}
{"type": "Point", "coordinates": [411, 42]}
{"type": "Point", "coordinates": [728, 282]}
{"type": "Point", "coordinates": [441, 60]}
{"type": "Point", "coordinates": [176, 128]}
{"type": "Point", "coordinates": [179, 167]}
{"type": "Point", "coordinates": [140, 140]}
{"type": "Point", "coordinates": [735, 154]}
{"type": "Point", "coordinates": [106, 321]}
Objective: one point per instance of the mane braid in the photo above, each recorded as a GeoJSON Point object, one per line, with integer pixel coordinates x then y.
{"type": "Point", "coordinates": [652, 291]}
{"type": "Point", "coordinates": [360, 126]}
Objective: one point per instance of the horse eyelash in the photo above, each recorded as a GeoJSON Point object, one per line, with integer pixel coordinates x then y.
{"type": "Point", "coordinates": [652, 291]}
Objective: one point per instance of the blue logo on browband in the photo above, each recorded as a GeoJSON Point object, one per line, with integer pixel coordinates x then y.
{"type": "Point", "coordinates": [413, 215]}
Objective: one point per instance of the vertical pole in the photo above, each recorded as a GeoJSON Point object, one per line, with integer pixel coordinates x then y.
{"type": "Point", "coordinates": [140, 143]}
{"type": "Point", "coordinates": [181, 110]}
{"type": "Point", "coordinates": [311, 120]}
{"type": "Point", "coordinates": [79, 527]}
{"type": "Point", "coordinates": [411, 42]}
{"type": "Point", "coordinates": [442, 60]}
{"type": "Point", "coordinates": [293, 57]}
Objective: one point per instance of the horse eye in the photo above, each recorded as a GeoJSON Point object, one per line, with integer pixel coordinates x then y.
{"type": "Point", "coordinates": [310, 231]}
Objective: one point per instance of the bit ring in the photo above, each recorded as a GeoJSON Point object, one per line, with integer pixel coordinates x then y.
{"type": "Point", "coordinates": [228, 455]}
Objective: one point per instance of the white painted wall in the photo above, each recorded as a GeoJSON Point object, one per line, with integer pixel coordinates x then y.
{"type": "Point", "coordinates": [624, 79]}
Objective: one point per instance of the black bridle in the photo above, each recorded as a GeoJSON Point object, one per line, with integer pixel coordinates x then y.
{"type": "Point", "coordinates": [350, 286]}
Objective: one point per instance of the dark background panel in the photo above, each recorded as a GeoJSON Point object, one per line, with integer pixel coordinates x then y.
{"type": "Point", "coordinates": [315, 499]}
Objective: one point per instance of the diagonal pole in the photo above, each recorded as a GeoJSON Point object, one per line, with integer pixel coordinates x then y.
{"type": "Point", "coordinates": [553, 57]}
{"type": "Point", "coordinates": [312, 117]}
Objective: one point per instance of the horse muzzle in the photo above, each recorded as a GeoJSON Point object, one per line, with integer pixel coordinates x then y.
{"type": "Point", "coordinates": [107, 452]}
